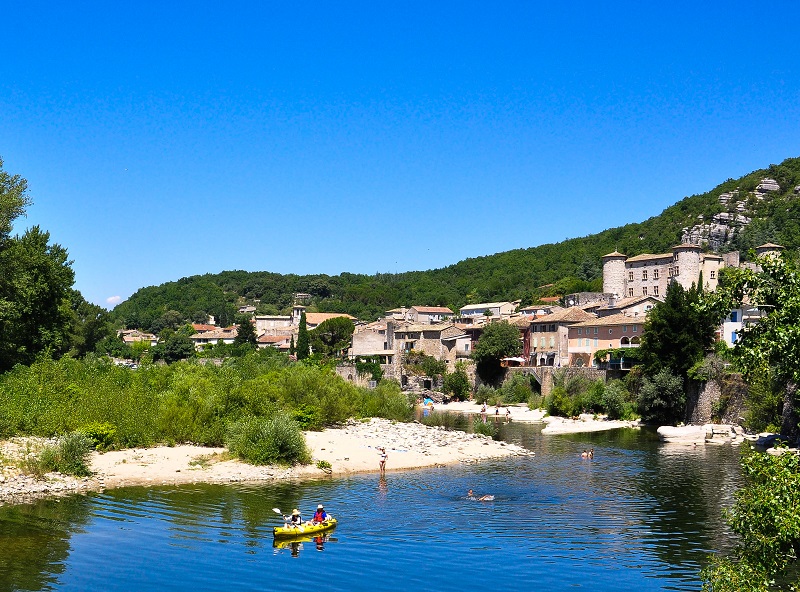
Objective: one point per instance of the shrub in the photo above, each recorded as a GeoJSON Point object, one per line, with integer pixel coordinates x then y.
{"type": "Point", "coordinates": [560, 403]}
{"type": "Point", "coordinates": [68, 456]}
{"type": "Point", "coordinates": [457, 383]}
{"type": "Point", "coordinates": [308, 417]}
{"type": "Point", "coordinates": [487, 428]}
{"type": "Point", "coordinates": [447, 420]}
{"type": "Point", "coordinates": [517, 389]}
{"type": "Point", "coordinates": [388, 401]}
{"type": "Point", "coordinates": [662, 399]}
{"type": "Point", "coordinates": [101, 434]}
{"type": "Point", "coordinates": [263, 441]}
{"type": "Point", "coordinates": [484, 393]}
{"type": "Point", "coordinates": [617, 401]}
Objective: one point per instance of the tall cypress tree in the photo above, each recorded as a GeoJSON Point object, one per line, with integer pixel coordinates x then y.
{"type": "Point", "coordinates": [292, 349]}
{"type": "Point", "coordinates": [302, 339]}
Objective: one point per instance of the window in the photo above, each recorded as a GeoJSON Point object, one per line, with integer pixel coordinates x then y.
{"type": "Point", "coordinates": [635, 328]}
{"type": "Point", "coordinates": [552, 342]}
{"type": "Point", "coordinates": [655, 274]}
{"type": "Point", "coordinates": [624, 328]}
{"type": "Point", "coordinates": [655, 290]}
{"type": "Point", "coordinates": [610, 331]}
{"type": "Point", "coordinates": [586, 342]}
{"type": "Point", "coordinates": [630, 276]}
{"type": "Point", "coordinates": [580, 330]}
{"type": "Point", "coordinates": [644, 290]}
{"type": "Point", "coordinates": [552, 328]}
{"type": "Point", "coordinates": [595, 341]}
{"type": "Point", "coordinates": [542, 341]}
{"type": "Point", "coordinates": [630, 292]}
{"type": "Point", "coordinates": [644, 275]}
{"type": "Point", "coordinates": [734, 316]}
{"type": "Point", "coordinates": [466, 347]}
{"type": "Point", "coordinates": [677, 270]}
{"type": "Point", "coordinates": [713, 274]}
{"type": "Point", "coordinates": [733, 337]}
{"type": "Point", "coordinates": [595, 330]}
{"type": "Point", "coordinates": [385, 345]}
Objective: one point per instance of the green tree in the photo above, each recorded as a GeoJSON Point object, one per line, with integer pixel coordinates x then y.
{"type": "Point", "coordinates": [303, 344]}
{"type": "Point", "coordinates": [662, 399]}
{"type": "Point", "coordinates": [91, 325]}
{"type": "Point", "coordinates": [246, 332]}
{"type": "Point", "coordinates": [457, 382]}
{"type": "Point", "coordinates": [14, 199]}
{"type": "Point", "coordinates": [677, 333]}
{"type": "Point", "coordinates": [766, 517]}
{"type": "Point", "coordinates": [498, 340]}
{"type": "Point", "coordinates": [332, 336]}
{"type": "Point", "coordinates": [773, 343]}
{"type": "Point", "coordinates": [35, 282]}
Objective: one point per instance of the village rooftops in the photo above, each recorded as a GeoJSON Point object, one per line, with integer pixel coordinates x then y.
{"type": "Point", "coordinates": [611, 320]}
{"type": "Point", "coordinates": [470, 307]}
{"type": "Point", "coordinates": [433, 309]}
{"type": "Point", "coordinates": [567, 315]}
{"type": "Point", "coordinates": [315, 318]}
{"type": "Point", "coordinates": [418, 327]}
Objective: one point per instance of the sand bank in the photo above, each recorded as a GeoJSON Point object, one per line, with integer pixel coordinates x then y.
{"type": "Point", "coordinates": [349, 449]}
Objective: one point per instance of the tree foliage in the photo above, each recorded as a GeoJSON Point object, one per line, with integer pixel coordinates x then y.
{"type": "Point", "coordinates": [677, 333]}
{"type": "Point", "coordinates": [662, 399]}
{"type": "Point", "coordinates": [332, 336]}
{"type": "Point", "coordinates": [498, 340]}
{"type": "Point", "coordinates": [245, 332]}
{"type": "Point", "coordinates": [303, 343]}
{"type": "Point", "coordinates": [456, 383]}
{"type": "Point", "coordinates": [766, 517]}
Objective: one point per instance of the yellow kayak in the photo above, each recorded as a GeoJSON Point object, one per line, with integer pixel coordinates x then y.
{"type": "Point", "coordinates": [307, 529]}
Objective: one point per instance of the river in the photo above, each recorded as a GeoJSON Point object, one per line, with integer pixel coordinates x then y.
{"type": "Point", "coordinates": [638, 516]}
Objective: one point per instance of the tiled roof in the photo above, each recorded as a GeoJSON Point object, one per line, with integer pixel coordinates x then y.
{"type": "Point", "coordinates": [315, 318]}
{"type": "Point", "coordinates": [649, 257]}
{"type": "Point", "coordinates": [614, 254]}
{"type": "Point", "coordinates": [623, 302]}
{"type": "Point", "coordinates": [200, 327]}
{"type": "Point", "coordinates": [272, 338]}
{"type": "Point", "coordinates": [225, 333]}
{"type": "Point", "coordinates": [433, 309]}
{"type": "Point", "coordinates": [416, 328]}
{"type": "Point", "coordinates": [568, 315]}
{"type": "Point", "coordinates": [484, 305]}
{"type": "Point", "coordinates": [612, 320]}
{"type": "Point", "coordinates": [686, 246]}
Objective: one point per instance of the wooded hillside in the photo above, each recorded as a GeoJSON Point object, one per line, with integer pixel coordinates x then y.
{"type": "Point", "coordinates": [522, 274]}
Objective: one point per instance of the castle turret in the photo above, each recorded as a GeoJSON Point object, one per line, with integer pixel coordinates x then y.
{"type": "Point", "coordinates": [686, 264]}
{"type": "Point", "coordinates": [614, 274]}
{"type": "Point", "coordinates": [770, 249]}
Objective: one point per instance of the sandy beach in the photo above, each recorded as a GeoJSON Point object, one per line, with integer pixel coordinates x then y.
{"type": "Point", "coordinates": [349, 449]}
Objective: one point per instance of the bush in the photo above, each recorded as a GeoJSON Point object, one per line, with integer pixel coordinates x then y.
{"type": "Point", "coordinates": [447, 420]}
{"type": "Point", "coordinates": [308, 417]}
{"type": "Point", "coordinates": [517, 389]}
{"type": "Point", "coordinates": [617, 401]}
{"type": "Point", "coordinates": [662, 400]}
{"type": "Point", "coordinates": [457, 383]}
{"type": "Point", "coordinates": [68, 456]}
{"type": "Point", "coordinates": [560, 403]}
{"type": "Point", "coordinates": [101, 434]}
{"type": "Point", "coordinates": [484, 394]}
{"type": "Point", "coordinates": [263, 441]}
{"type": "Point", "coordinates": [388, 401]}
{"type": "Point", "coordinates": [487, 428]}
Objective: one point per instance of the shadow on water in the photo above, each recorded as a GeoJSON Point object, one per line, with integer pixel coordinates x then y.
{"type": "Point", "coordinates": [639, 515]}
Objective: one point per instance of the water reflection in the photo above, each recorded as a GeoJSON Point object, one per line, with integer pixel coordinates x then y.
{"type": "Point", "coordinates": [639, 514]}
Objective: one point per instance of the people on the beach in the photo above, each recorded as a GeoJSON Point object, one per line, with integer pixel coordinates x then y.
{"type": "Point", "coordinates": [320, 515]}
{"type": "Point", "coordinates": [382, 458]}
{"type": "Point", "coordinates": [497, 409]}
{"type": "Point", "coordinates": [508, 414]}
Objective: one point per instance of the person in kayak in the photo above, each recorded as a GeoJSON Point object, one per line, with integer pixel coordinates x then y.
{"type": "Point", "coordinates": [320, 515]}
{"type": "Point", "coordinates": [295, 519]}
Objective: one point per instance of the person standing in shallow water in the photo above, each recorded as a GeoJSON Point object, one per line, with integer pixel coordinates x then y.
{"type": "Point", "coordinates": [382, 459]}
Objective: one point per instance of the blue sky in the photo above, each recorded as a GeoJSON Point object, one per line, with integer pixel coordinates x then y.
{"type": "Point", "coordinates": [162, 140]}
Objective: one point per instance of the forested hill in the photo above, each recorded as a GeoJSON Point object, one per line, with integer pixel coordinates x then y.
{"type": "Point", "coordinates": [751, 213]}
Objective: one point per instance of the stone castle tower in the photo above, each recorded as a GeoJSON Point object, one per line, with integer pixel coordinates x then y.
{"type": "Point", "coordinates": [686, 262]}
{"type": "Point", "coordinates": [614, 274]}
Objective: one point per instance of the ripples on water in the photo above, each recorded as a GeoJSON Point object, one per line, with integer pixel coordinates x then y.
{"type": "Point", "coordinates": [639, 516]}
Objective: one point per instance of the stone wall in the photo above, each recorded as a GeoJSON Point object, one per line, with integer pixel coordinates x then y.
{"type": "Point", "coordinates": [716, 401]}
{"type": "Point", "coordinates": [544, 374]}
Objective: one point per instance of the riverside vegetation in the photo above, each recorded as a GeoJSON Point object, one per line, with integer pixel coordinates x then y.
{"type": "Point", "coordinates": [257, 405]}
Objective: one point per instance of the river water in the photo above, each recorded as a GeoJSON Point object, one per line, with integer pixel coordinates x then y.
{"type": "Point", "coordinates": [640, 515]}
